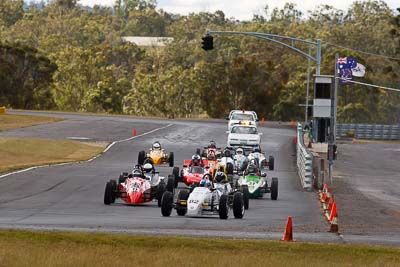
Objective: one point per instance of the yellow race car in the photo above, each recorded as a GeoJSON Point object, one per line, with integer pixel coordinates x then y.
{"type": "Point", "coordinates": [156, 156]}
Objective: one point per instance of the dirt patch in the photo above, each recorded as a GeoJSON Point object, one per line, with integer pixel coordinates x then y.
{"type": "Point", "coordinates": [361, 215]}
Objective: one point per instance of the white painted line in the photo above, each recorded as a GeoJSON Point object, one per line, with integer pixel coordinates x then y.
{"type": "Point", "coordinates": [78, 138]}
{"type": "Point", "coordinates": [95, 157]}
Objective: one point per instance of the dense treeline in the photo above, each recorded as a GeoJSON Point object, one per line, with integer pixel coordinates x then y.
{"type": "Point", "coordinates": [59, 55]}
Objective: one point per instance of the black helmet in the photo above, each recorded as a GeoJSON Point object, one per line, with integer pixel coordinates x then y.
{"type": "Point", "coordinates": [257, 149]}
{"type": "Point", "coordinates": [196, 160]}
{"type": "Point", "coordinates": [219, 177]}
{"type": "Point", "coordinates": [227, 153]}
{"type": "Point", "coordinates": [251, 168]}
{"type": "Point", "coordinates": [212, 144]}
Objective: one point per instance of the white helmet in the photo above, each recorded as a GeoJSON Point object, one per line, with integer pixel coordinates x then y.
{"type": "Point", "coordinates": [157, 145]}
{"type": "Point", "coordinates": [239, 151]}
{"type": "Point", "coordinates": [148, 167]}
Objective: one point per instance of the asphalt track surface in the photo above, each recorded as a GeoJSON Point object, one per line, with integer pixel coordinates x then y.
{"type": "Point", "coordinates": [70, 197]}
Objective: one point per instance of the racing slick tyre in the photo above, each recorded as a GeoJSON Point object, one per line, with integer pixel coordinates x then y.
{"type": "Point", "coordinates": [274, 188]}
{"type": "Point", "coordinates": [223, 209]}
{"type": "Point", "coordinates": [271, 163]}
{"type": "Point", "coordinates": [122, 179]}
{"type": "Point", "coordinates": [166, 203]}
{"type": "Point", "coordinates": [175, 173]}
{"type": "Point", "coordinates": [170, 183]}
{"type": "Point", "coordinates": [238, 206]}
{"type": "Point", "coordinates": [114, 188]}
{"type": "Point", "coordinates": [246, 196]}
{"type": "Point", "coordinates": [182, 196]}
{"type": "Point", "coordinates": [229, 168]}
{"type": "Point", "coordinates": [108, 194]}
{"type": "Point", "coordinates": [161, 190]}
{"type": "Point", "coordinates": [171, 159]}
{"type": "Point", "coordinates": [141, 157]}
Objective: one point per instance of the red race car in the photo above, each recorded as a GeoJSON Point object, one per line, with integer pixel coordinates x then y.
{"type": "Point", "coordinates": [193, 170]}
{"type": "Point", "coordinates": [143, 185]}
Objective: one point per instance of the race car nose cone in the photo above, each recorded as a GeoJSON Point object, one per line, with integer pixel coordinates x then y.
{"type": "Point", "coordinates": [136, 197]}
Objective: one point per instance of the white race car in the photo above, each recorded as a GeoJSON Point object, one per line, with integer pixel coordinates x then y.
{"type": "Point", "coordinates": [246, 137]}
{"type": "Point", "coordinates": [242, 117]}
{"type": "Point", "coordinates": [217, 200]}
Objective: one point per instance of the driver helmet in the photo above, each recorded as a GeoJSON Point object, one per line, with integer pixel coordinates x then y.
{"type": "Point", "coordinates": [227, 153]}
{"type": "Point", "coordinates": [156, 145]}
{"type": "Point", "coordinates": [136, 173]}
{"type": "Point", "coordinates": [205, 181]}
{"type": "Point", "coordinates": [212, 144]}
{"type": "Point", "coordinates": [196, 160]}
{"type": "Point", "coordinates": [148, 167]}
{"type": "Point", "coordinates": [252, 168]}
{"type": "Point", "coordinates": [219, 177]}
{"type": "Point", "coordinates": [257, 149]}
{"type": "Point", "coordinates": [239, 151]}
{"type": "Point", "coordinates": [211, 155]}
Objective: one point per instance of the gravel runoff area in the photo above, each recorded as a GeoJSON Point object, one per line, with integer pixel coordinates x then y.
{"type": "Point", "coordinates": [366, 187]}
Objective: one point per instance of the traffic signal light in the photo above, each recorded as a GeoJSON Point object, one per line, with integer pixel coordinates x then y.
{"type": "Point", "coordinates": [207, 43]}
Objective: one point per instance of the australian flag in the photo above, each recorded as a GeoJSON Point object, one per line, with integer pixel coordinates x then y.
{"type": "Point", "coordinates": [346, 63]}
{"type": "Point", "coordinates": [346, 76]}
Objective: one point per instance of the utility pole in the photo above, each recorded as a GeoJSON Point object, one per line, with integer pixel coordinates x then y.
{"type": "Point", "coordinates": [332, 126]}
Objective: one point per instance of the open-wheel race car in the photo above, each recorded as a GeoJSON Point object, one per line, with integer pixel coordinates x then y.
{"type": "Point", "coordinates": [156, 155]}
{"type": "Point", "coordinates": [205, 200]}
{"type": "Point", "coordinates": [253, 184]}
{"type": "Point", "coordinates": [142, 185]}
{"type": "Point", "coordinates": [262, 160]}
{"type": "Point", "coordinates": [192, 171]}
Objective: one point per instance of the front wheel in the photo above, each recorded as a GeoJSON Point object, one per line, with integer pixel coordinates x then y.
{"type": "Point", "coordinates": [246, 196]}
{"type": "Point", "coordinates": [141, 157]}
{"type": "Point", "coordinates": [271, 163]}
{"type": "Point", "coordinates": [161, 190]}
{"type": "Point", "coordinates": [166, 203]}
{"type": "Point", "coordinates": [229, 168]}
{"type": "Point", "coordinates": [182, 196]}
{"type": "Point", "coordinates": [238, 206]}
{"type": "Point", "coordinates": [223, 209]}
{"type": "Point", "coordinates": [274, 188]}
{"type": "Point", "coordinates": [171, 159]}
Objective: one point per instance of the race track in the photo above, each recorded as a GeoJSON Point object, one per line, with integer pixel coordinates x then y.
{"type": "Point", "coordinates": [70, 196]}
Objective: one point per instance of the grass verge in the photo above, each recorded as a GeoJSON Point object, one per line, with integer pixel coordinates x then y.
{"type": "Point", "coordinates": [17, 153]}
{"type": "Point", "coordinates": [9, 121]}
{"type": "Point", "coordinates": [24, 248]}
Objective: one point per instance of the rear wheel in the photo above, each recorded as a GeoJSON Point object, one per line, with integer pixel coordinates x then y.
{"type": "Point", "coordinates": [171, 183]}
{"type": "Point", "coordinates": [161, 190]}
{"type": "Point", "coordinates": [122, 178]}
{"type": "Point", "coordinates": [271, 163]}
{"type": "Point", "coordinates": [246, 196]}
{"type": "Point", "coordinates": [171, 159]}
{"type": "Point", "coordinates": [229, 168]}
{"type": "Point", "coordinates": [175, 173]}
{"type": "Point", "coordinates": [166, 203]}
{"type": "Point", "coordinates": [238, 206]}
{"type": "Point", "coordinates": [182, 196]}
{"type": "Point", "coordinates": [141, 157]}
{"type": "Point", "coordinates": [223, 207]}
{"type": "Point", "coordinates": [108, 194]}
{"type": "Point", "coordinates": [274, 188]}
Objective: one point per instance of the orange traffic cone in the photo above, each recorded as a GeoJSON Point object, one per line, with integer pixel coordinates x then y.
{"type": "Point", "coordinates": [333, 213]}
{"type": "Point", "coordinates": [323, 197]}
{"type": "Point", "coordinates": [288, 235]}
{"type": "Point", "coordinates": [330, 203]}
{"type": "Point", "coordinates": [325, 188]}
{"type": "Point", "coordinates": [134, 131]}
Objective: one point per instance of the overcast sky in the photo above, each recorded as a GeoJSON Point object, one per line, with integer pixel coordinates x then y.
{"type": "Point", "coordinates": [240, 9]}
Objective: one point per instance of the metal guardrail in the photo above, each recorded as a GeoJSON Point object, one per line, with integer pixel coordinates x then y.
{"type": "Point", "coordinates": [369, 131]}
{"type": "Point", "coordinates": [304, 160]}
